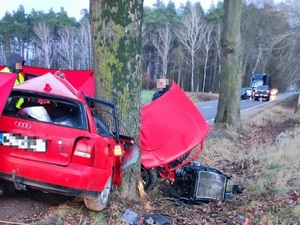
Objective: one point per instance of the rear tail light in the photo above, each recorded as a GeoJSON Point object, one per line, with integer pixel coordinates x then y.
{"type": "Point", "coordinates": [117, 150]}
{"type": "Point", "coordinates": [84, 152]}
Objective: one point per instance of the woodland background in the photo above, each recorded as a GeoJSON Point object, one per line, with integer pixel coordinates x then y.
{"type": "Point", "coordinates": [183, 43]}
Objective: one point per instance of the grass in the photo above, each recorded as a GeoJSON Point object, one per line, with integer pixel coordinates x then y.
{"type": "Point", "coordinates": [280, 163]}
{"type": "Point", "coordinates": [268, 169]}
{"type": "Point", "coordinates": [147, 96]}
{"type": "Point", "coordinates": [194, 96]}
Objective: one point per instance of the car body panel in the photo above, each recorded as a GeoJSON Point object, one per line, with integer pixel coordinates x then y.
{"type": "Point", "coordinates": [7, 82]}
{"type": "Point", "coordinates": [172, 126]}
{"type": "Point", "coordinates": [53, 148]}
{"type": "Point", "coordinates": [73, 176]}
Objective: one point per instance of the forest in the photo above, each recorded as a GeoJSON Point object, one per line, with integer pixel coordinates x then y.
{"type": "Point", "coordinates": [182, 43]}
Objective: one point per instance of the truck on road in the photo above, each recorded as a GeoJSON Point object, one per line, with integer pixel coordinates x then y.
{"type": "Point", "coordinates": [261, 86]}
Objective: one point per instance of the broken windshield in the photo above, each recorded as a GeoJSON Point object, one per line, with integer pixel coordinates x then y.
{"type": "Point", "coordinates": [46, 109]}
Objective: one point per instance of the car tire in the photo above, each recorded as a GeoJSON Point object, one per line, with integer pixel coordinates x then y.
{"type": "Point", "coordinates": [100, 202]}
{"type": "Point", "coordinates": [149, 177]}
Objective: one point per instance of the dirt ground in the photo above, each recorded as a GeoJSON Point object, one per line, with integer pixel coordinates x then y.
{"type": "Point", "coordinates": [27, 206]}
{"type": "Point", "coordinates": [37, 208]}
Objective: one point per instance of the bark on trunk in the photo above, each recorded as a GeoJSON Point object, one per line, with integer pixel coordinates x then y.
{"type": "Point", "coordinates": [229, 100]}
{"type": "Point", "coordinates": [116, 42]}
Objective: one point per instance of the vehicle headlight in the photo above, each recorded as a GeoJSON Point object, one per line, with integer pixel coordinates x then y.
{"type": "Point", "coordinates": [210, 185]}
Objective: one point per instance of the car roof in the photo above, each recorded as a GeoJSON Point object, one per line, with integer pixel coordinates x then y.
{"type": "Point", "coordinates": [49, 84]}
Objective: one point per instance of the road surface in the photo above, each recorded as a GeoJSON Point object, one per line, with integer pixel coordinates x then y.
{"type": "Point", "coordinates": [209, 109]}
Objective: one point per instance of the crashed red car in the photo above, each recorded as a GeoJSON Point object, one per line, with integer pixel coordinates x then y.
{"type": "Point", "coordinates": [57, 141]}
{"type": "Point", "coordinates": [171, 128]}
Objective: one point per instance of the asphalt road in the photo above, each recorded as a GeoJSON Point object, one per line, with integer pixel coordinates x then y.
{"type": "Point", "coordinates": [209, 109]}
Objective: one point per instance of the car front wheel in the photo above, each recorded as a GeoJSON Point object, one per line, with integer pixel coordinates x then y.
{"type": "Point", "coordinates": [149, 177]}
{"type": "Point", "coordinates": [99, 203]}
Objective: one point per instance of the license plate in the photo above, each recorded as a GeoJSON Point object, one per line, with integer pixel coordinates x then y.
{"type": "Point", "coordinates": [33, 144]}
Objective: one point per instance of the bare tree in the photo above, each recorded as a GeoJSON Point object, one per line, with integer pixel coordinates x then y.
{"type": "Point", "coordinates": [217, 39]}
{"type": "Point", "coordinates": [229, 100]}
{"type": "Point", "coordinates": [190, 35]}
{"type": "Point", "coordinates": [263, 30]}
{"type": "Point", "coordinates": [163, 43]}
{"type": "Point", "coordinates": [290, 54]}
{"type": "Point", "coordinates": [207, 42]}
{"type": "Point", "coordinates": [147, 56]}
{"type": "Point", "coordinates": [44, 41]}
{"type": "Point", "coordinates": [84, 44]}
{"type": "Point", "coordinates": [67, 46]}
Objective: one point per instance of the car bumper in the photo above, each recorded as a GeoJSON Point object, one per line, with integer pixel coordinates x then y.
{"type": "Point", "coordinates": [73, 180]}
{"type": "Point", "coordinates": [261, 96]}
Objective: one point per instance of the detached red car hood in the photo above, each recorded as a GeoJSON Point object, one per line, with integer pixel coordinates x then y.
{"type": "Point", "coordinates": [172, 126]}
{"type": "Point", "coordinates": [7, 81]}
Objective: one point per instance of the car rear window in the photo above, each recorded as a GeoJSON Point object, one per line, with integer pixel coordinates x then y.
{"type": "Point", "coordinates": [57, 111]}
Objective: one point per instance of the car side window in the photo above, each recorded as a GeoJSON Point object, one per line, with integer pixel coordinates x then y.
{"type": "Point", "coordinates": [102, 129]}
{"type": "Point", "coordinates": [104, 117]}
{"type": "Point", "coordinates": [48, 110]}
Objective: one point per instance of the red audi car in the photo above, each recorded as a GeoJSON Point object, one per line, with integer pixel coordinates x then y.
{"type": "Point", "coordinates": [57, 141]}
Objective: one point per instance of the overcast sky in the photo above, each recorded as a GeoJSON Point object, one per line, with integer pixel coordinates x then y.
{"type": "Point", "coordinates": [73, 7]}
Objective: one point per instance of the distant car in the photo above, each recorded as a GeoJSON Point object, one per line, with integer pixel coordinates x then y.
{"type": "Point", "coordinates": [274, 91]}
{"type": "Point", "coordinates": [262, 92]}
{"type": "Point", "coordinates": [246, 92]}
{"type": "Point", "coordinates": [243, 94]}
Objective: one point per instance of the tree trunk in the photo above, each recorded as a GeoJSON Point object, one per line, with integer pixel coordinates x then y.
{"type": "Point", "coordinates": [229, 100]}
{"type": "Point", "coordinates": [116, 44]}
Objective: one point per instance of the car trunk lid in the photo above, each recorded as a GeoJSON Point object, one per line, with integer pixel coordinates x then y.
{"type": "Point", "coordinates": [28, 140]}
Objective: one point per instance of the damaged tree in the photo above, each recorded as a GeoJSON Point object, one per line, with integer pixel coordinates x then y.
{"type": "Point", "coordinates": [230, 84]}
{"type": "Point", "coordinates": [116, 43]}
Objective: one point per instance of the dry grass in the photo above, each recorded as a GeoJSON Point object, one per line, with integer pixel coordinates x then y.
{"type": "Point", "coordinates": [202, 96]}
{"type": "Point", "coordinates": [279, 165]}
{"type": "Point", "coordinates": [265, 160]}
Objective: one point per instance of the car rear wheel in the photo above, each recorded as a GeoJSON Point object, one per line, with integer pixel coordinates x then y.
{"type": "Point", "coordinates": [100, 202]}
{"type": "Point", "coordinates": [149, 177]}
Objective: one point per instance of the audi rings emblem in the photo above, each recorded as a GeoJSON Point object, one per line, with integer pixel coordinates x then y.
{"type": "Point", "coordinates": [23, 125]}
